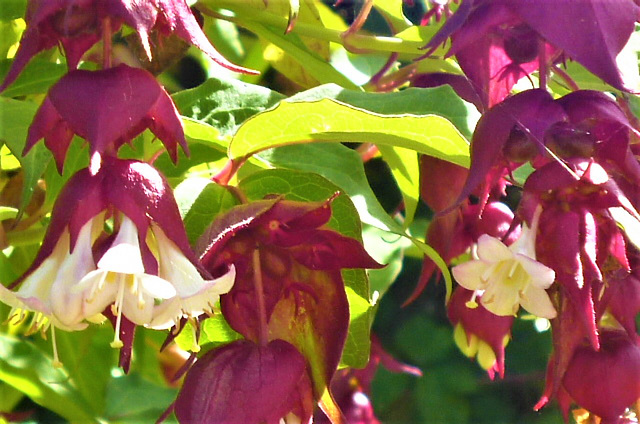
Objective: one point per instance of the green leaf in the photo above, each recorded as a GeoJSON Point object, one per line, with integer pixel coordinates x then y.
{"type": "Point", "coordinates": [26, 368]}
{"type": "Point", "coordinates": [340, 165]}
{"type": "Point", "coordinates": [7, 212]}
{"type": "Point", "coordinates": [12, 9]}
{"type": "Point", "coordinates": [222, 104]}
{"type": "Point", "coordinates": [130, 396]}
{"type": "Point", "coordinates": [217, 330]}
{"type": "Point", "coordinates": [15, 118]}
{"type": "Point", "coordinates": [315, 65]}
{"type": "Point", "coordinates": [35, 78]}
{"type": "Point", "coordinates": [304, 186]}
{"type": "Point", "coordinates": [406, 171]}
{"type": "Point", "coordinates": [441, 101]}
{"type": "Point", "coordinates": [200, 200]}
{"type": "Point", "coordinates": [330, 120]}
{"type": "Point", "coordinates": [386, 249]}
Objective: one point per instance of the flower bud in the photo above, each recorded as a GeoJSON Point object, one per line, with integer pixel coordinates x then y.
{"type": "Point", "coordinates": [519, 147]}
{"type": "Point", "coordinates": [521, 44]}
{"type": "Point", "coordinates": [568, 141]}
{"type": "Point", "coordinates": [605, 382]}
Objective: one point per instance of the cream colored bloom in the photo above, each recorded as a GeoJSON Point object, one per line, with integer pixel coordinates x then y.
{"type": "Point", "coordinates": [509, 277]}
{"type": "Point", "coordinates": [47, 291]}
{"type": "Point", "coordinates": [194, 295]}
{"type": "Point", "coordinates": [120, 281]}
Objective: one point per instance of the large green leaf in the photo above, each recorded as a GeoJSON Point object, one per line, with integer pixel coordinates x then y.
{"type": "Point", "coordinates": [26, 368]}
{"type": "Point", "coordinates": [406, 171]}
{"type": "Point", "coordinates": [441, 101]}
{"type": "Point", "coordinates": [35, 78]}
{"type": "Point", "coordinates": [224, 104]}
{"type": "Point", "coordinates": [331, 120]}
{"type": "Point", "coordinates": [304, 186]}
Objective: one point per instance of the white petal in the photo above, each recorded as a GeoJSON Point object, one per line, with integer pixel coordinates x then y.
{"type": "Point", "coordinates": [490, 249]}
{"type": "Point", "coordinates": [66, 304]}
{"type": "Point", "coordinates": [537, 302]}
{"type": "Point", "coordinates": [541, 275]}
{"type": "Point", "coordinates": [469, 274]}
{"type": "Point", "coordinates": [124, 254]}
{"type": "Point", "coordinates": [156, 287]}
{"type": "Point", "coordinates": [176, 268]}
{"type": "Point", "coordinates": [97, 299]}
{"type": "Point", "coordinates": [500, 299]}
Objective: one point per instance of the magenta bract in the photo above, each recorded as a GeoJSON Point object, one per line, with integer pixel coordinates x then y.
{"type": "Point", "coordinates": [243, 382]}
{"type": "Point", "coordinates": [607, 381]}
{"type": "Point", "coordinates": [131, 187]}
{"type": "Point", "coordinates": [486, 326]}
{"type": "Point", "coordinates": [107, 108]}
{"type": "Point", "coordinates": [78, 24]}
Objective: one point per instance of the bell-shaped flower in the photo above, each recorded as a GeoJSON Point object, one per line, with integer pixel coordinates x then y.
{"type": "Point", "coordinates": [289, 269]}
{"type": "Point", "coordinates": [498, 42]}
{"type": "Point", "coordinates": [120, 280]}
{"type": "Point", "coordinates": [107, 108]}
{"type": "Point", "coordinates": [47, 290]}
{"type": "Point", "coordinates": [195, 296]}
{"type": "Point", "coordinates": [77, 25]}
{"type": "Point", "coordinates": [144, 271]}
{"type": "Point", "coordinates": [509, 277]}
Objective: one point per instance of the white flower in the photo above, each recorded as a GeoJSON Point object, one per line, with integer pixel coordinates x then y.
{"type": "Point", "coordinates": [47, 291]}
{"type": "Point", "coordinates": [195, 296]}
{"type": "Point", "coordinates": [509, 277]}
{"type": "Point", "coordinates": [121, 281]}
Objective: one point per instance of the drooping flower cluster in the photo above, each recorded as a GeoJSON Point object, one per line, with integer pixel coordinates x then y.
{"type": "Point", "coordinates": [575, 260]}
{"type": "Point", "coordinates": [116, 246]}
{"type": "Point", "coordinates": [288, 275]}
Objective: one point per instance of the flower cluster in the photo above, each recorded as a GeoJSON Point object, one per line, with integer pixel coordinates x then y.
{"type": "Point", "coordinates": [569, 251]}
{"type": "Point", "coordinates": [288, 275]}
{"type": "Point", "coordinates": [116, 247]}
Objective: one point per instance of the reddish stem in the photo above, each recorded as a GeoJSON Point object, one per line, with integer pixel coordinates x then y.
{"type": "Point", "coordinates": [228, 171]}
{"type": "Point", "coordinates": [543, 69]}
{"type": "Point", "coordinates": [106, 43]}
{"type": "Point", "coordinates": [262, 308]}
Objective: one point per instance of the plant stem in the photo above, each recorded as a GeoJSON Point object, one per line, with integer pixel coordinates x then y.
{"type": "Point", "coordinates": [106, 43]}
{"type": "Point", "coordinates": [370, 43]}
{"type": "Point", "coordinates": [263, 334]}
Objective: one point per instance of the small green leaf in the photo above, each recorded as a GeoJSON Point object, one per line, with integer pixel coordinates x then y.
{"type": "Point", "coordinates": [340, 165]}
{"type": "Point", "coordinates": [200, 200]}
{"type": "Point", "coordinates": [217, 330]}
{"type": "Point", "coordinates": [330, 120]}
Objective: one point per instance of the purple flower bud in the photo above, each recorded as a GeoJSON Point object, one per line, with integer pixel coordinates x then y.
{"type": "Point", "coordinates": [605, 381]}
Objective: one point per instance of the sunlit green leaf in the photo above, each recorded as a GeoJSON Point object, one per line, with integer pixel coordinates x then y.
{"type": "Point", "coordinates": [28, 369]}
{"type": "Point", "coordinates": [330, 120]}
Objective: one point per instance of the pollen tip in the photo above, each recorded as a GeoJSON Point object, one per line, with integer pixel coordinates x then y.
{"type": "Point", "coordinates": [116, 344]}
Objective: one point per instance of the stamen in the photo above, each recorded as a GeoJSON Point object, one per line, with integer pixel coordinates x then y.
{"type": "Point", "coordinates": [56, 359]}
{"type": "Point", "coordinates": [472, 304]}
{"type": "Point", "coordinates": [117, 343]}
